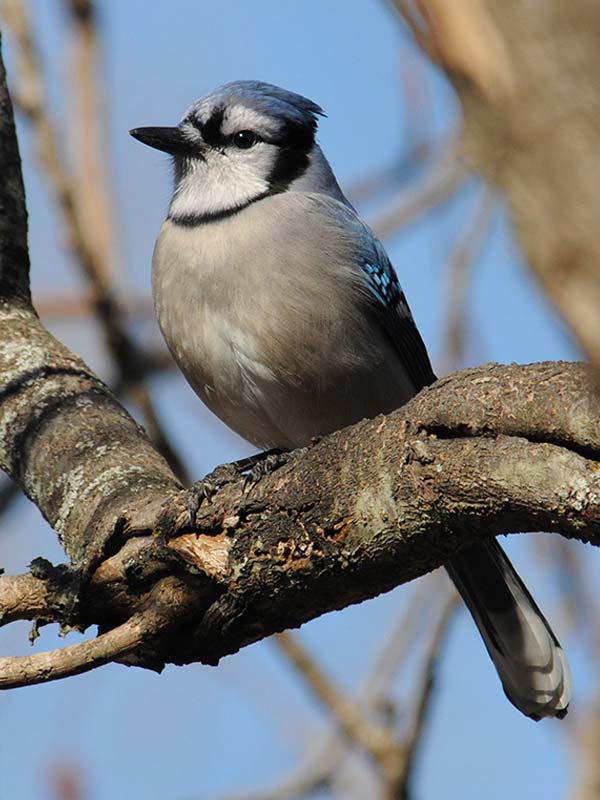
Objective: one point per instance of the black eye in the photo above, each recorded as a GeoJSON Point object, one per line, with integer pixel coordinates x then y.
{"type": "Point", "coordinates": [244, 139]}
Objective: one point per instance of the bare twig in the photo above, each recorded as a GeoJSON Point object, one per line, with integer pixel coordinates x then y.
{"type": "Point", "coordinates": [417, 141]}
{"type": "Point", "coordinates": [396, 759]}
{"type": "Point", "coordinates": [168, 599]}
{"type": "Point", "coordinates": [413, 738]}
{"type": "Point", "coordinates": [398, 643]}
{"type": "Point", "coordinates": [324, 758]}
{"type": "Point", "coordinates": [16, 671]}
{"type": "Point", "coordinates": [364, 189]}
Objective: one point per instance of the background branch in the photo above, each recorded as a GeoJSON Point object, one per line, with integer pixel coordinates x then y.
{"type": "Point", "coordinates": [534, 137]}
{"type": "Point", "coordinates": [462, 260]}
{"type": "Point", "coordinates": [94, 260]}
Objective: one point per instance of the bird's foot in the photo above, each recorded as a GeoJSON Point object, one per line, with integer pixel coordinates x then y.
{"type": "Point", "coordinates": [207, 487]}
{"type": "Point", "coordinates": [256, 466]}
{"type": "Point", "coordinates": [269, 462]}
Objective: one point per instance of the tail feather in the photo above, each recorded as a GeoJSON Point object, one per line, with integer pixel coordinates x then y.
{"type": "Point", "coordinates": [527, 655]}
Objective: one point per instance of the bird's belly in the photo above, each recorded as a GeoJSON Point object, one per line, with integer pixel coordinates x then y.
{"type": "Point", "coordinates": [224, 381]}
{"type": "Point", "coordinates": [296, 389]}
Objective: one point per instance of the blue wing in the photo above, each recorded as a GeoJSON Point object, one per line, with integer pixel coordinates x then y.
{"type": "Point", "coordinates": [395, 316]}
{"type": "Point", "coordinates": [379, 287]}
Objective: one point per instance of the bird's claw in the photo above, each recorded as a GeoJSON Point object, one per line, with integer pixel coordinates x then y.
{"type": "Point", "coordinates": [206, 488]}
{"type": "Point", "coordinates": [266, 466]}
{"type": "Point", "coordinates": [256, 467]}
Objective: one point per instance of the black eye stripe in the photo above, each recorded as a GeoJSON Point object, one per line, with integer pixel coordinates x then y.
{"type": "Point", "coordinates": [211, 129]}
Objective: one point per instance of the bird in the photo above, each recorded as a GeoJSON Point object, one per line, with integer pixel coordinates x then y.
{"type": "Point", "coordinates": [284, 313]}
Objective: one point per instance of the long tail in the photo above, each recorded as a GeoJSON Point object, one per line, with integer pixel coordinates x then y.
{"type": "Point", "coordinates": [528, 658]}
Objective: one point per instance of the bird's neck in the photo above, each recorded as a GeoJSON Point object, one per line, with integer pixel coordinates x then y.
{"type": "Point", "coordinates": [204, 195]}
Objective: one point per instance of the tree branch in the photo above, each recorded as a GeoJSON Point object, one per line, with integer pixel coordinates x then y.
{"type": "Point", "coordinates": [460, 264]}
{"type": "Point", "coordinates": [162, 612]}
{"type": "Point", "coordinates": [439, 183]}
{"type": "Point", "coordinates": [407, 752]}
{"type": "Point", "coordinates": [376, 740]}
{"type": "Point", "coordinates": [360, 512]}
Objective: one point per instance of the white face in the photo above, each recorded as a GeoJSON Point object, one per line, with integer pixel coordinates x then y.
{"type": "Point", "coordinates": [238, 152]}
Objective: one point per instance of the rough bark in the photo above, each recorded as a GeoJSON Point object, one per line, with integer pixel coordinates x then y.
{"type": "Point", "coordinates": [487, 451]}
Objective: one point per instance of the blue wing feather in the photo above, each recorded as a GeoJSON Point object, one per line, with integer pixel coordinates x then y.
{"type": "Point", "coordinates": [384, 289]}
{"type": "Point", "coordinates": [382, 282]}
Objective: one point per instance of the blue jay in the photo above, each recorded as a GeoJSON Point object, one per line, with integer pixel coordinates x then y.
{"type": "Point", "coordinates": [284, 313]}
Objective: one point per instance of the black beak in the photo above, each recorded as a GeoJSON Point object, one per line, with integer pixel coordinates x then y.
{"type": "Point", "coordinates": [169, 140]}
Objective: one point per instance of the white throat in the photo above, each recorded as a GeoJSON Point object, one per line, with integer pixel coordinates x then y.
{"type": "Point", "coordinates": [217, 185]}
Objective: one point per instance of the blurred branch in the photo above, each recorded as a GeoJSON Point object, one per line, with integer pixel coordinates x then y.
{"type": "Point", "coordinates": [462, 259]}
{"type": "Point", "coordinates": [417, 142]}
{"type": "Point", "coordinates": [439, 184]}
{"type": "Point", "coordinates": [89, 149]}
{"type": "Point", "coordinates": [395, 760]}
{"type": "Point", "coordinates": [9, 491]}
{"type": "Point", "coordinates": [409, 10]}
{"type": "Point", "coordinates": [31, 99]}
{"type": "Point", "coordinates": [66, 783]}
{"type": "Point", "coordinates": [74, 307]}
{"type": "Point", "coordinates": [584, 731]}
{"type": "Point", "coordinates": [461, 37]}
{"type": "Point", "coordinates": [585, 743]}
{"type": "Point", "coordinates": [327, 754]}
{"type": "Point", "coordinates": [528, 84]}
{"type": "Point", "coordinates": [376, 740]}
{"type": "Point", "coordinates": [364, 189]}
{"type": "Point", "coordinates": [412, 739]}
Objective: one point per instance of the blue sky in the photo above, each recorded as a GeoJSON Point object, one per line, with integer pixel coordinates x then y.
{"type": "Point", "coordinates": [138, 735]}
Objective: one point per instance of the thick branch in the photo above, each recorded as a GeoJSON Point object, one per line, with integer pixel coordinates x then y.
{"type": "Point", "coordinates": [369, 508]}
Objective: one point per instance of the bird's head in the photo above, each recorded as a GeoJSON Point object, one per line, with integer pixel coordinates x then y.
{"type": "Point", "coordinates": [240, 143]}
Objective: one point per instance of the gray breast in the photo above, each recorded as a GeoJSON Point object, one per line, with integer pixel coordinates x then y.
{"type": "Point", "coordinates": [267, 325]}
